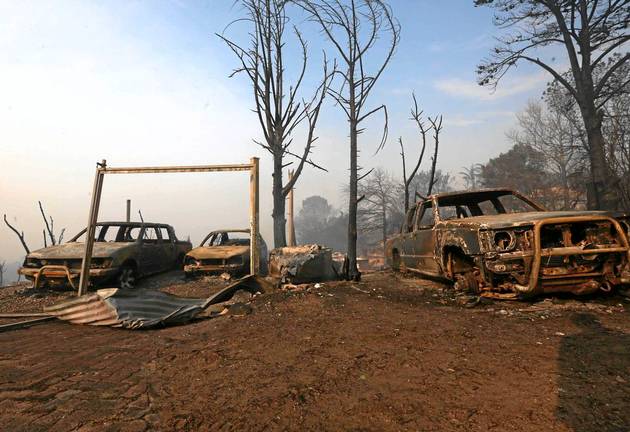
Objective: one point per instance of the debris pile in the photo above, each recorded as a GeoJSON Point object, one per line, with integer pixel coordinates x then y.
{"type": "Point", "coordinates": [303, 264]}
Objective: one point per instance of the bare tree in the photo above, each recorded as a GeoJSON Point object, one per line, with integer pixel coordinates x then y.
{"type": "Point", "coordinates": [3, 267]}
{"type": "Point", "coordinates": [591, 32]}
{"type": "Point", "coordinates": [379, 192]}
{"type": "Point", "coordinates": [49, 229]}
{"type": "Point", "coordinates": [277, 105]}
{"type": "Point", "coordinates": [617, 132]}
{"type": "Point", "coordinates": [436, 125]}
{"type": "Point", "coordinates": [19, 234]}
{"type": "Point", "coordinates": [416, 115]}
{"type": "Point", "coordinates": [354, 27]}
{"type": "Point", "coordinates": [442, 182]}
{"type": "Point", "coordinates": [471, 176]}
{"type": "Point", "coordinates": [551, 133]}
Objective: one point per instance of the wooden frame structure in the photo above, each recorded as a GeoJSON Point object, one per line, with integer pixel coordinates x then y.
{"type": "Point", "coordinates": [102, 169]}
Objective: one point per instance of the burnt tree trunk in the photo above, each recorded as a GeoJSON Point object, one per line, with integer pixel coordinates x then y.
{"type": "Point", "coordinates": [406, 198]}
{"type": "Point", "coordinates": [384, 217]}
{"type": "Point", "coordinates": [353, 271]}
{"type": "Point", "coordinates": [602, 194]}
{"type": "Point", "coordinates": [279, 205]}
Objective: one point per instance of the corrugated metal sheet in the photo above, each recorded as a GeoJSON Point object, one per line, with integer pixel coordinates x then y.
{"type": "Point", "coordinates": [128, 309]}
{"type": "Point", "coordinates": [134, 309]}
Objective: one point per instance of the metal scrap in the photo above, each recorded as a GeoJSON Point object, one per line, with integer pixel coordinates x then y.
{"type": "Point", "coordinates": [143, 309]}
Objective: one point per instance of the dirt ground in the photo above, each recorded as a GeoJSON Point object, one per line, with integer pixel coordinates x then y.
{"type": "Point", "coordinates": [390, 353]}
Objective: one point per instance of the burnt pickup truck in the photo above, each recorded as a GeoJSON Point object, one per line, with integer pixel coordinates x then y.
{"type": "Point", "coordinates": [498, 243]}
{"type": "Point", "coordinates": [123, 252]}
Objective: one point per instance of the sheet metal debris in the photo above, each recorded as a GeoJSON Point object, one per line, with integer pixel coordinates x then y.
{"type": "Point", "coordinates": [303, 264]}
{"type": "Point", "coordinates": [142, 309]}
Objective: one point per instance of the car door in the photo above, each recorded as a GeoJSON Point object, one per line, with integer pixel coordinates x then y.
{"type": "Point", "coordinates": [424, 239]}
{"type": "Point", "coordinates": [407, 253]}
{"type": "Point", "coordinates": [169, 249]}
{"type": "Point", "coordinates": [150, 251]}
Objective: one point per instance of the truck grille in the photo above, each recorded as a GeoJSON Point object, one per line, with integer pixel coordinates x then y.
{"type": "Point", "coordinates": [70, 263]}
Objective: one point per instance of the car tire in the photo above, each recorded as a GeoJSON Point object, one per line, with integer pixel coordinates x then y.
{"type": "Point", "coordinates": [396, 260]}
{"type": "Point", "coordinates": [466, 283]}
{"type": "Point", "coordinates": [127, 277]}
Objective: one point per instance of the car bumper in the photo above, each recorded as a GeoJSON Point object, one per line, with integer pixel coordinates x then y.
{"type": "Point", "coordinates": [213, 268]}
{"type": "Point", "coordinates": [542, 279]}
{"type": "Point", "coordinates": [59, 274]}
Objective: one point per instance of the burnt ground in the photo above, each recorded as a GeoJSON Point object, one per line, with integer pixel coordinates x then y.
{"type": "Point", "coordinates": [389, 353]}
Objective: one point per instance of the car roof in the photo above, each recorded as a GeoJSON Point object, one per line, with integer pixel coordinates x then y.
{"type": "Point", "coordinates": [474, 193]}
{"type": "Point", "coordinates": [477, 195]}
{"type": "Point", "coordinates": [133, 224]}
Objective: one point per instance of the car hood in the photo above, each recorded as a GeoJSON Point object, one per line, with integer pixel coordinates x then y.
{"type": "Point", "coordinates": [75, 250]}
{"type": "Point", "coordinates": [207, 252]}
{"type": "Point", "coordinates": [518, 219]}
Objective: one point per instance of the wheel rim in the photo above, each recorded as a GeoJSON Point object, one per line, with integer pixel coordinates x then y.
{"type": "Point", "coordinates": [127, 279]}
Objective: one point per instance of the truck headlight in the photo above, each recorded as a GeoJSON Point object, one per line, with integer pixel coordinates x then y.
{"type": "Point", "coordinates": [32, 262]}
{"type": "Point", "coordinates": [504, 241]}
{"type": "Point", "coordinates": [188, 260]}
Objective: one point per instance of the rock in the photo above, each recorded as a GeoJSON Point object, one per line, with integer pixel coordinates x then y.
{"type": "Point", "coordinates": [240, 309]}
{"type": "Point", "coordinates": [240, 296]}
{"type": "Point", "coordinates": [467, 300]}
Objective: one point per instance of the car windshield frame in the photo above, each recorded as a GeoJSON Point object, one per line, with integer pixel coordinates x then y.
{"type": "Point", "coordinates": [467, 204]}
{"type": "Point", "coordinates": [123, 226]}
{"type": "Point", "coordinates": [211, 234]}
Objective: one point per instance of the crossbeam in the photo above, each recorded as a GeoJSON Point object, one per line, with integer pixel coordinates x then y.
{"type": "Point", "coordinates": [102, 169]}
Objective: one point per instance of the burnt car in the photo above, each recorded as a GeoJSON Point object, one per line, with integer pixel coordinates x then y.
{"type": "Point", "coordinates": [224, 251]}
{"type": "Point", "coordinates": [123, 252]}
{"type": "Point", "coordinates": [498, 243]}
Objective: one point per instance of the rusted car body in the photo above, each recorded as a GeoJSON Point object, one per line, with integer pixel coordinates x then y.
{"type": "Point", "coordinates": [224, 251]}
{"type": "Point", "coordinates": [498, 243]}
{"type": "Point", "coordinates": [123, 252]}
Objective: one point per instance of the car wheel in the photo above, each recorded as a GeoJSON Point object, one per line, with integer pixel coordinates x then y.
{"type": "Point", "coordinates": [466, 283]}
{"type": "Point", "coordinates": [395, 260]}
{"type": "Point", "coordinates": [127, 277]}
{"type": "Point", "coordinates": [463, 272]}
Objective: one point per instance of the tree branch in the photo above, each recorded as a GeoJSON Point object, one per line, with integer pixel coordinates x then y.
{"type": "Point", "coordinates": [19, 234]}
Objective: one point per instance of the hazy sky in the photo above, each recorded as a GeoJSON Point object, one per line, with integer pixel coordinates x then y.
{"type": "Point", "coordinates": [146, 83]}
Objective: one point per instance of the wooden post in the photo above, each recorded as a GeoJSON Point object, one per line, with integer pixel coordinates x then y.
{"type": "Point", "coordinates": [290, 223]}
{"type": "Point", "coordinates": [254, 258]}
{"type": "Point", "coordinates": [91, 228]}
{"type": "Point", "coordinates": [128, 210]}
